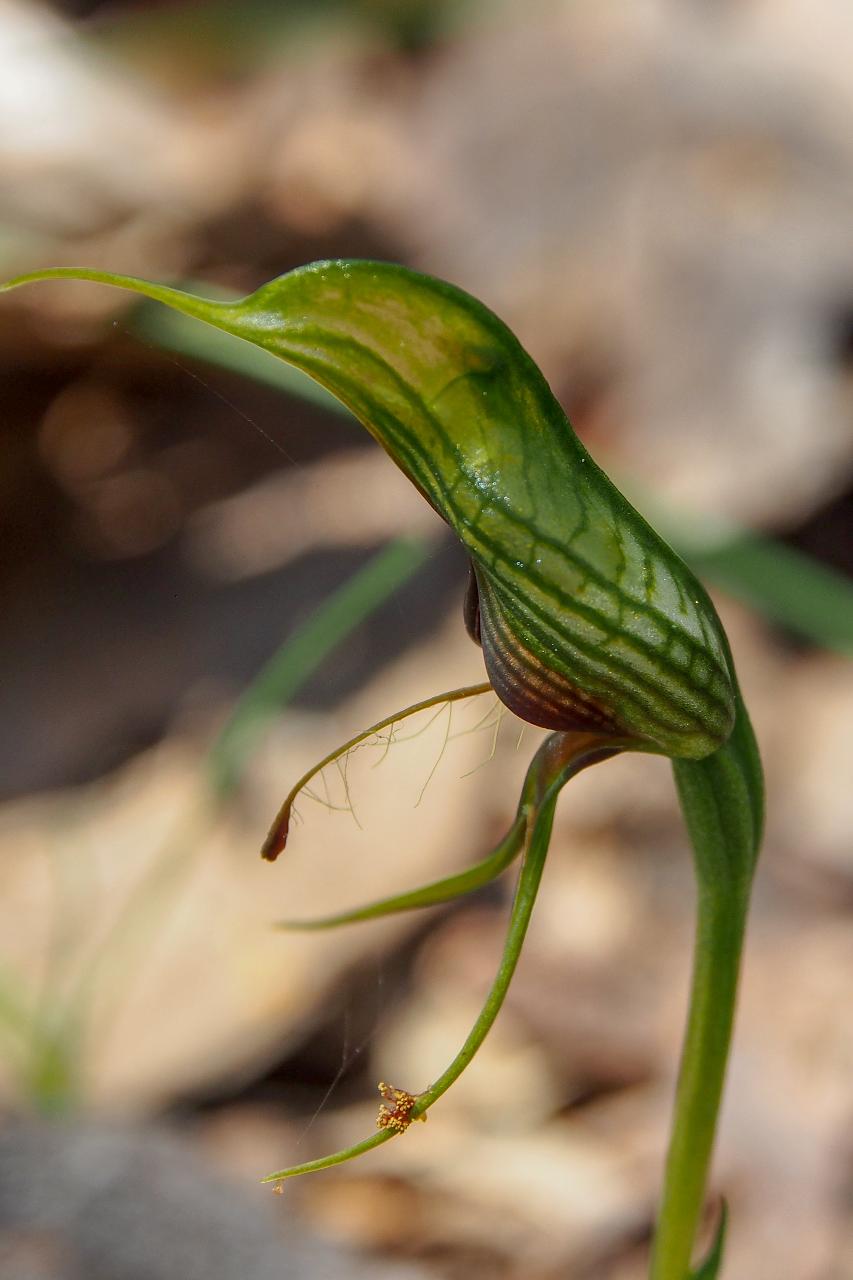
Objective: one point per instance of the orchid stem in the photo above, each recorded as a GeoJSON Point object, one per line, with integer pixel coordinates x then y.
{"type": "Point", "coordinates": [720, 929]}
{"type": "Point", "coordinates": [722, 802]}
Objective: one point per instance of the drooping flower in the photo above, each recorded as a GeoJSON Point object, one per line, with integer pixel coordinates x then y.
{"type": "Point", "coordinates": [590, 625]}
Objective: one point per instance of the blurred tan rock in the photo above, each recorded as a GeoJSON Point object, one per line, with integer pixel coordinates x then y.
{"type": "Point", "coordinates": [99, 167]}
{"type": "Point", "coordinates": [319, 505]}
{"type": "Point", "coordinates": [667, 238]}
{"type": "Point", "coordinates": [811, 804]}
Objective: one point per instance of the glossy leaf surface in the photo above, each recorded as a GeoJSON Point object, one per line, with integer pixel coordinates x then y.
{"type": "Point", "coordinates": [588, 620]}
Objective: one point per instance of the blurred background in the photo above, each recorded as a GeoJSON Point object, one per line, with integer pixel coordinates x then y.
{"type": "Point", "coordinates": [211, 577]}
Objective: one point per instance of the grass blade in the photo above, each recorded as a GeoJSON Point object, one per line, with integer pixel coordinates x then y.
{"type": "Point", "coordinates": [305, 651]}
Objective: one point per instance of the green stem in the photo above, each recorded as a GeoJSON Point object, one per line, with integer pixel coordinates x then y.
{"type": "Point", "coordinates": [720, 930]}
{"type": "Point", "coordinates": [722, 799]}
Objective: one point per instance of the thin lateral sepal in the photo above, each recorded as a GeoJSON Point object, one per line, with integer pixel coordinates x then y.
{"type": "Point", "coordinates": [559, 758]}
{"type": "Point", "coordinates": [278, 833]}
{"type": "Point", "coordinates": [430, 895]}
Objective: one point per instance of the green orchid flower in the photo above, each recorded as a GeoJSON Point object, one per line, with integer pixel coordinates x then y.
{"type": "Point", "coordinates": [590, 626]}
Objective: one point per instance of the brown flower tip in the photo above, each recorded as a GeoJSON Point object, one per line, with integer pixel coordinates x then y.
{"type": "Point", "coordinates": [277, 838]}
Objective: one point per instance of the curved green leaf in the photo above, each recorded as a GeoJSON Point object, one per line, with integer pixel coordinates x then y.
{"type": "Point", "coordinates": [587, 619]}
